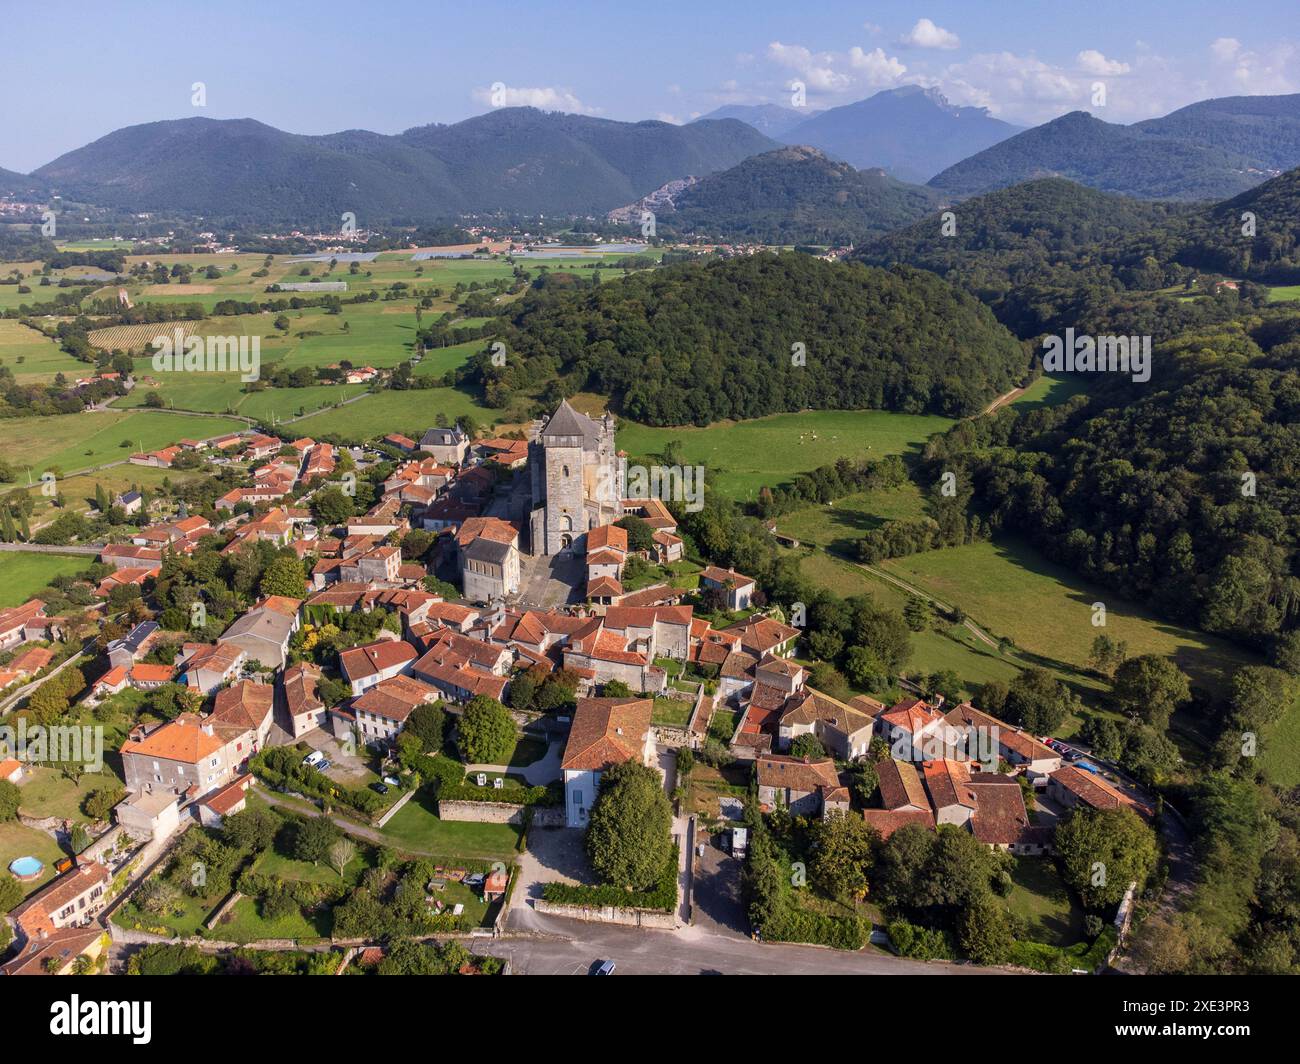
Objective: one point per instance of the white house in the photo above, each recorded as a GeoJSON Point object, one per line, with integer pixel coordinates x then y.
{"type": "Point", "coordinates": [605, 732]}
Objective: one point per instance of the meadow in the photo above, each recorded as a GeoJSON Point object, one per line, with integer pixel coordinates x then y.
{"type": "Point", "coordinates": [74, 442]}
{"type": "Point", "coordinates": [24, 573]}
{"type": "Point", "coordinates": [741, 457]}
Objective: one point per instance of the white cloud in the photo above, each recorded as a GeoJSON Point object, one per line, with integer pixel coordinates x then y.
{"type": "Point", "coordinates": [664, 116]}
{"type": "Point", "coordinates": [545, 98]}
{"type": "Point", "coordinates": [1243, 70]}
{"type": "Point", "coordinates": [925, 34]}
{"type": "Point", "coordinates": [815, 69]}
{"type": "Point", "coordinates": [876, 67]}
{"type": "Point", "coordinates": [1092, 61]}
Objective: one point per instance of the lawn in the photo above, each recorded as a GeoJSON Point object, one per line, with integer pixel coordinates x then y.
{"type": "Point", "coordinates": [1284, 292]}
{"type": "Point", "coordinates": [674, 712]}
{"type": "Point", "coordinates": [19, 841]}
{"type": "Point", "coordinates": [416, 829]}
{"type": "Point", "coordinates": [48, 792]}
{"type": "Point", "coordinates": [743, 456]}
{"type": "Point", "coordinates": [1041, 898]}
{"type": "Point", "coordinates": [1279, 750]}
{"type": "Point", "coordinates": [23, 573]}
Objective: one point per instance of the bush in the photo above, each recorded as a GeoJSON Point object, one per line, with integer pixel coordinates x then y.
{"type": "Point", "coordinates": [662, 897]}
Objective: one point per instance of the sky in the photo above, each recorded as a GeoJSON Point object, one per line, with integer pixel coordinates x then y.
{"type": "Point", "coordinates": [388, 65]}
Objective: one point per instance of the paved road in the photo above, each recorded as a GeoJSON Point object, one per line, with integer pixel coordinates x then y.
{"type": "Point", "coordinates": [569, 947]}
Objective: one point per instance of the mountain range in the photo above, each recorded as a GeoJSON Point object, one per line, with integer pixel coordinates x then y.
{"type": "Point", "coordinates": [512, 160]}
{"type": "Point", "coordinates": [1209, 150]}
{"type": "Point", "coordinates": [524, 162]}
{"type": "Point", "coordinates": [911, 132]}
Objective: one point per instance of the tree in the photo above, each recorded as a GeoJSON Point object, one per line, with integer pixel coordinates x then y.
{"type": "Point", "coordinates": [330, 506]}
{"type": "Point", "coordinates": [1150, 688]}
{"type": "Point", "coordinates": [918, 613]}
{"type": "Point", "coordinates": [1107, 654]}
{"type": "Point", "coordinates": [340, 854]}
{"type": "Point", "coordinates": [100, 802]}
{"type": "Point", "coordinates": [10, 893]}
{"type": "Point", "coordinates": [313, 838]}
{"type": "Point", "coordinates": [616, 689]}
{"type": "Point", "coordinates": [1104, 737]}
{"type": "Point", "coordinates": [1037, 701]}
{"type": "Point", "coordinates": [983, 930]}
{"type": "Point", "coordinates": [428, 723]}
{"type": "Point", "coordinates": [486, 734]}
{"type": "Point", "coordinates": [807, 746]}
{"type": "Point", "coordinates": [284, 576]}
{"type": "Point", "coordinates": [10, 797]}
{"type": "Point", "coordinates": [640, 536]}
{"type": "Point", "coordinates": [252, 829]}
{"type": "Point", "coordinates": [629, 834]}
{"type": "Point", "coordinates": [1102, 851]}
{"type": "Point", "coordinates": [841, 855]}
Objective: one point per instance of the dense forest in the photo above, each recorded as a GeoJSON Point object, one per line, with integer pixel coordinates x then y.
{"type": "Point", "coordinates": [704, 341]}
{"type": "Point", "coordinates": [1051, 253]}
{"type": "Point", "coordinates": [797, 196]}
{"type": "Point", "coordinates": [1182, 492]}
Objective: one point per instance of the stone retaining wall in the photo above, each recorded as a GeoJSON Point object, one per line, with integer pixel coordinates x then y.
{"type": "Point", "coordinates": [610, 915]}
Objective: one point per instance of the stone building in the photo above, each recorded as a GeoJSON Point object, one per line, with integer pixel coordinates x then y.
{"type": "Point", "coordinates": [577, 479]}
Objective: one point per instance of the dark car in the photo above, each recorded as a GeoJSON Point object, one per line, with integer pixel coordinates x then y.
{"type": "Point", "coordinates": [379, 788]}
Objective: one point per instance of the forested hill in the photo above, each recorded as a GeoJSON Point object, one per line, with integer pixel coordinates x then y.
{"type": "Point", "coordinates": [1110, 157]}
{"type": "Point", "coordinates": [1050, 253]}
{"type": "Point", "coordinates": [702, 341]}
{"type": "Point", "coordinates": [797, 195]}
{"type": "Point", "coordinates": [1182, 492]}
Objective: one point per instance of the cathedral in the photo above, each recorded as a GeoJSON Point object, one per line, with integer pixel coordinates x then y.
{"type": "Point", "coordinates": [577, 479]}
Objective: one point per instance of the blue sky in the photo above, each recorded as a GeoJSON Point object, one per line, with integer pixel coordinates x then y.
{"type": "Point", "coordinates": [386, 65]}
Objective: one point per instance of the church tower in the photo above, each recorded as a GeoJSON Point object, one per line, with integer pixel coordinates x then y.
{"type": "Point", "coordinates": [575, 479]}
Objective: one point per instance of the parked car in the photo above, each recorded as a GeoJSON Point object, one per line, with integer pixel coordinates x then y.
{"type": "Point", "coordinates": [323, 765]}
{"type": "Point", "coordinates": [604, 968]}
{"type": "Point", "coordinates": [379, 788]}
{"type": "Point", "coordinates": [392, 781]}
{"type": "Point", "coordinates": [314, 758]}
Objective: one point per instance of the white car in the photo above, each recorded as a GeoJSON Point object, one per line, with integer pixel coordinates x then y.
{"type": "Point", "coordinates": [314, 758]}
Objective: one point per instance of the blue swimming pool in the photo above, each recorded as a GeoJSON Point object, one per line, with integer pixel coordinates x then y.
{"type": "Point", "coordinates": [26, 867]}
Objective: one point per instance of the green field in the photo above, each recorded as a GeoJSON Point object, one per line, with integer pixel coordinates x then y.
{"type": "Point", "coordinates": [33, 357]}
{"type": "Point", "coordinates": [1009, 589]}
{"type": "Point", "coordinates": [1048, 391]}
{"type": "Point", "coordinates": [23, 573]}
{"type": "Point", "coordinates": [409, 412]}
{"type": "Point", "coordinates": [840, 524]}
{"type": "Point", "coordinates": [73, 442]}
{"type": "Point", "coordinates": [1284, 292]}
{"type": "Point", "coordinates": [1040, 897]}
{"type": "Point", "coordinates": [743, 456]}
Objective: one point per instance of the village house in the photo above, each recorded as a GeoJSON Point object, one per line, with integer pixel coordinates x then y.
{"type": "Point", "coordinates": [181, 756]}
{"type": "Point", "coordinates": [302, 702]}
{"type": "Point", "coordinates": [736, 590]}
{"type": "Point", "coordinates": [207, 666]}
{"type": "Point", "coordinates": [605, 732]}
{"type": "Point", "coordinates": [448, 445]}
{"type": "Point", "coordinates": [488, 551]}
{"type": "Point", "coordinates": [20, 623]}
{"type": "Point", "coordinates": [804, 786]}
{"type": "Point", "coordinates": [263, 633]}
{"type": "Point", "coordinates": [380, 713]}
{"type": "Point", "coordinates": [74, 899]}
{"type": "Point", "coordinates": [368, 664]}
{"type": "Point", "coordinates": [243, 714]}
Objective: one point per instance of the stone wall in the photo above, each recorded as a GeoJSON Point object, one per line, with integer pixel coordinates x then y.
{"type": "Point", "coordinates": [482, 812]}
{"type": "Point", "coordinates": [669, 735]}
{"type": "Point", "coordinates": [610, 915]}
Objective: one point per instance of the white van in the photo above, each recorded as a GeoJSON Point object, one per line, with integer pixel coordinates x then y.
{"type": "Point", "coordinates": [314, 758]}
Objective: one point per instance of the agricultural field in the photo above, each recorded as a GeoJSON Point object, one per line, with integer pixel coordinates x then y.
{"type": "Point", "coordinates": [741, 457]}
{"type": "Point", "coordinates": [35, 358]}
{"type": "Point", "coordinates": [23, 573]}
{"type": "Point", "coordinates": [76, 442]}
{"type": "Point", "coordinates": [1284, 293]}
{"type": "Point", "coordinates": [409, 412]}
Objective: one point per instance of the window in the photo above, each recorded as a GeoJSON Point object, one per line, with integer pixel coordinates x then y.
{"type": "Point", "coordinates": [577, 797]}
